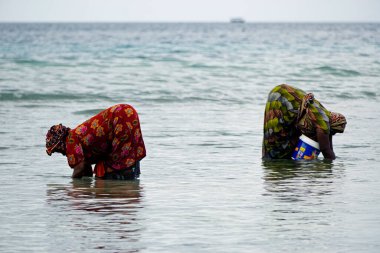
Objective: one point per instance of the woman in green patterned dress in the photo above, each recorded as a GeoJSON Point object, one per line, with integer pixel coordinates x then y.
{"type": "Point", "coordinates": [290, 112]}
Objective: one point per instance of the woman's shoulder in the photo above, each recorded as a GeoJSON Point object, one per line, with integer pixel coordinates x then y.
{"type": "Point", "coordinates": [320, 109]}
{"type": "Point", "coordinates": [320, 116]}
{"type": "Point", "coordinates": [72, 137]}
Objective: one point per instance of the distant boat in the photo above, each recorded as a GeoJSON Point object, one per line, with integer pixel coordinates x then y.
{"type": "Point", "coordinates": [237, 20]}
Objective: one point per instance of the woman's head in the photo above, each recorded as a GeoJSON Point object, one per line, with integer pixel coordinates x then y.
{"type": "Point", "coordinates": [55, 139]}
{"type": "Point", "coordinates": [337, 122]}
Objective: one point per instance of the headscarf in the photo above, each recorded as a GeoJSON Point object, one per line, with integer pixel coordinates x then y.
{"type": "Point", "coordinates": [55, 139]}
{"type": "Point", "coordinates": [337, 122]}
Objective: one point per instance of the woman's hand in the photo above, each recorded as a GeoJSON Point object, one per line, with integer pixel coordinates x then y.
{"type": "Point", "coordinates": [325, 144]}
{"type": "Point", "coordinates": [83, 169]}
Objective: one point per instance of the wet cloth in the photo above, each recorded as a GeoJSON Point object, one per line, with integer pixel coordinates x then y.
{"type": "Point", "coordinates": [290, 112]}
{"type": "Point", "coordinates": [126, 174]}
{"type": "Point", "coordinates": [111, 139]}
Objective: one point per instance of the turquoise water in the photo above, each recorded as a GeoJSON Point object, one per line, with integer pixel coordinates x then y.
{"type": "Point", "coordinates": [200, 90]}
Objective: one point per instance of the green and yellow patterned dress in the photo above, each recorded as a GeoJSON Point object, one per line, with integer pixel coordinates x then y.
{"type": "Point", "coordinates": [290, 112]}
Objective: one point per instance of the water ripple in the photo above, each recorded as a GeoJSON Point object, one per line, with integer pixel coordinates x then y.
{"type": "Point", "coordinates": [338, 72]}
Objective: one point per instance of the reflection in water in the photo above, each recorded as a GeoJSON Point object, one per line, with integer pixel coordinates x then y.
{"type": "Point", "coordinates": [106, 209]}
{"type": "Point", "coordinates": [287, 169]}
{"type": "Point", "coordinates": [299, 195]}
{"type": "Point", "coordinates": [290, 180]}
{"type": "Point", "coordinates": [102, 196]}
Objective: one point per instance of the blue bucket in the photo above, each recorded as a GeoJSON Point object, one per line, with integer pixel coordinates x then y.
{"type": "Point", "coordinates": [307, 149]}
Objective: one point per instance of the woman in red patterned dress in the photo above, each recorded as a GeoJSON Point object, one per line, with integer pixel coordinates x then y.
{"type": "Point", "coordinates": [112, 140]}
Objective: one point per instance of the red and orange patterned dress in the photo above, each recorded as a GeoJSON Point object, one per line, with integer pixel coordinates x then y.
{"type": "Point", "coordinates": [112, 140]}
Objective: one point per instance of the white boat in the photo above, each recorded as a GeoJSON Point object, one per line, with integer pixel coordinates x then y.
{"type": "Point", "coordinates": [237, 20]}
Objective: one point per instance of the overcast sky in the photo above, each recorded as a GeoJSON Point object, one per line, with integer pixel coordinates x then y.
{"type": "Point", "coordinates": [189, 10]}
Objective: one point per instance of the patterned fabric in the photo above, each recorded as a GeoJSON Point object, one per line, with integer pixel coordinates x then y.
{"type": "Point", "coordinates": [55, 139]}
{"type": "Point", "coordinates": [307, 100]}
{"type": "Point", "coordinates": [111, 139]}
{"type": "Point", "coordinates": [127, 174]}
{"type": "Point", "coordinates": [290, 112]}
{"type": "Point", "coordinates": [312, 115]}
{"type": "Point", "coordinates": [337, 122]}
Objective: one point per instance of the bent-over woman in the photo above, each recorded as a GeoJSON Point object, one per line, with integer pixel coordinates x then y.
{"type": "Point", "coordinates": [290, 112]}
{"type": "Point", "coordinates": [112, 140]}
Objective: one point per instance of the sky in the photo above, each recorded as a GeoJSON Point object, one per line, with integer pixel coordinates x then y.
{"type": "Point", "coordinates": [189, 10]}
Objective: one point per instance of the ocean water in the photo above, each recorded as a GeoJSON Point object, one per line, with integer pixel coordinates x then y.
{"type": "Point", "coordinates": [200, 90]}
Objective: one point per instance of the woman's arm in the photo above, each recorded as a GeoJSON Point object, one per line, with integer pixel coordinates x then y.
{"type": "Point", "coordinates": [83, 169]}
{"type": "Point", "coordinates": [325, 144]}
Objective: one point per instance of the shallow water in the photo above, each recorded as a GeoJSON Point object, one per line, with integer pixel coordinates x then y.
{"type": "Point", "coordinates": [200, 90]}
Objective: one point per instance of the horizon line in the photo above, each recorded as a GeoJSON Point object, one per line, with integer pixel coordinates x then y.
{"type": "Point", "coordinates": [195, 22]}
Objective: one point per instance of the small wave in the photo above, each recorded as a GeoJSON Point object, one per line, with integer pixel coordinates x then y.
{"type": "Point", "coordinates": [179, 99]}
{"type": "Point", "coordinates": [338, 72]}
{"type": "Point", "coordinates": [29, 62]}
{"type": "Point", "coordinates": [166, 99]}
{"type": "Point", "coordinates": [125, 46]}
{"type": "Point", "coordinates": [36, 96]}
{"type": "Point", "coordinates": [202, 66]}
{"type": "Point", "coordinates": [357, 95]}
{"type": "Point", "coordinates": [170, 59]}
{"type": "Point", "coordinates": [88, 112]}
{"type": "Point", "coordinates": [369, 94]}
{"type": "Point", "coordinates": [346, 95]}
{"type": "Point", "coordinates": [27, 96]}
{"type": "Point", "coordinates": [142, 57]}
{"type": "Point", "coordinates": [7, 163]}
{"type": "Point", "coordinates": [30, 106]}
{"type": "Point", "coordinates": [179, 51]}
{"type": "Point", "coordinates": [38, 63]}
{"type": "Point", "coordinates": [354, 146]}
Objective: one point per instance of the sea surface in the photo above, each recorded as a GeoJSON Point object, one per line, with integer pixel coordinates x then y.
{"type": "Point", "coordinates": [200, 90]}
